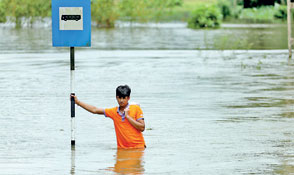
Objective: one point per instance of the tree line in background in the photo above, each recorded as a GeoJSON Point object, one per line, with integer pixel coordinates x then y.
{"type": "Point", "coordinates": [269, 8]}
{"type": "Point", "coordinates": [104, 12]}
{"type": "Point", "coordinates": [245, 11]}
{"type": "Point", "coordinates": [18, 9]}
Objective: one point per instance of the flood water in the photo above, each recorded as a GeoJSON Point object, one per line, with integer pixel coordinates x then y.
{"type": "Point", "coordinates": [207, 110]}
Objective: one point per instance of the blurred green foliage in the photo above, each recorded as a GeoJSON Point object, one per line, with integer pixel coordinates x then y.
{"type": "Point", "coordinates": [145, 10]}
{"type": "Point", "coordinates": [205, 16]}
{"type": "Point", "coordinates": [173, 3]}
{"type": "Point", "coordinates": [131, 10]}
{"type": "Point", "coordinates": [262, 14]}
{"type": "Point", "coordinates": [281, 12]}
{"type": "Point", "coordinates": [30, 9]}
{"type": "Point", "coordinates": [104, 12]}
{"type": "Point", "coordinates": [198, 13]}
{"type": "Point", "coordinates": [229, 8]}
{"type": "Point", "coordinates": [225, 7]}
{"type": "Point", "coordinates": [2, 14]}
{"type": "Point", "coordinates": [265, 13]}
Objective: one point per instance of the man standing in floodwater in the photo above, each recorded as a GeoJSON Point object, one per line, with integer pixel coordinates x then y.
{"type": "Point", "coordinates": [127, 118]}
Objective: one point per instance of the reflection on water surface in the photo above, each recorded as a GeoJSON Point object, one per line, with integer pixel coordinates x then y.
{"type": "Point", "coordinates": [129, 161]}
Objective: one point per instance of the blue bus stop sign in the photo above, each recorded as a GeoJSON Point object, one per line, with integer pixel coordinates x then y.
{"type": "Point", "coordinates": [71, 23]}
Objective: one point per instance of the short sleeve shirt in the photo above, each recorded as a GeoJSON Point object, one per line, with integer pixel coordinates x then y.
{"type": "Point", "coordinates": [127, 135]}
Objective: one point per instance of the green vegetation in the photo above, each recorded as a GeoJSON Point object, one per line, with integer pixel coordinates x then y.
{"type": "Point", "coordinates": [198, 13]}
{"type": "Point", "coordinates": [184, 11]}
{"type": "Point", "coordinates": [2, 14]}
{"type": "Point", "coordinates": [262, 14]}
{"type": "Point", "coordinates": [205, 16]}
{"type": "Point", "coordinates": [104, 12]}
{"type": "Point", "coordinates": [29, 9]}
{"type": "Point", "coordinates": [233, 11]}
{"type": "Point", "coordinates": [281, 12]}
{"type": "Point", "coordinates": [265, 14]}
{"type": "Point", "coordinates": [232, 42]}
{"type": "Point", "coordinates": [228, 9]}
{"type": "Point", "coordinates": [142, 10]}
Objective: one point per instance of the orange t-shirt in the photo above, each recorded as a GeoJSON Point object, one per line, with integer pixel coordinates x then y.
{"type": "Point", "coordinates": [127, 136]}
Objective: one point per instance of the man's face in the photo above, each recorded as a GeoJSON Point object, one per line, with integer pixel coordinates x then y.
{"type": "Point", "coordinates": [122, 101]}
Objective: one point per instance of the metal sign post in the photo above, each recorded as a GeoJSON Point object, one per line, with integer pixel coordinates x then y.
{"type": "Point", "coordinates": [71, 27]}
{"type": "Point", "coordinates": [72, 78]}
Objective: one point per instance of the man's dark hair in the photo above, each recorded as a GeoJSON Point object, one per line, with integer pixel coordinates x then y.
{"type": "Point", "coordinates": [123, 91]}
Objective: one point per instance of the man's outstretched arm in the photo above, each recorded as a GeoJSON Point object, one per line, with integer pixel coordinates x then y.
{"type": "Point", "coordinates": [88, 107]}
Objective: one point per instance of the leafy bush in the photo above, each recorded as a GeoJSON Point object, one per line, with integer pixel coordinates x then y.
{"type": "Point", "coordinates": [280, 12]}
{"type": "Point", "coordinates": [205, 16]}
{"type": "Point", "coordinates": [225, 7]}
{"type": "Point", "coordinates": [228, 10]}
